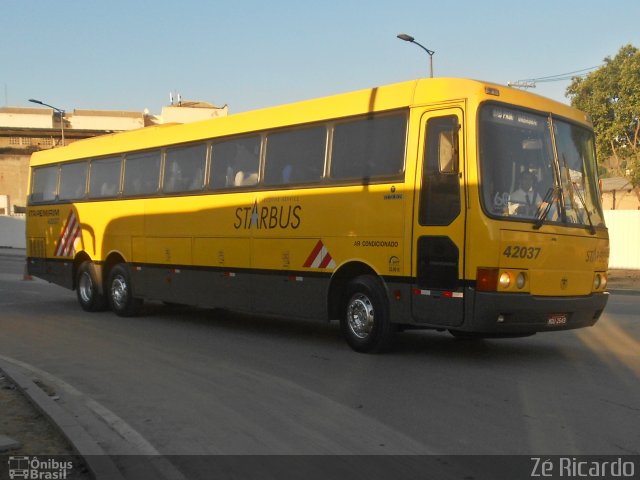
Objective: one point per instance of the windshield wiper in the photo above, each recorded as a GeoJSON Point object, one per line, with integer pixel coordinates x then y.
{"type": "Point", "coordinates": [592, 229]}
{"type": "Point", "coordinates": [545, 206]}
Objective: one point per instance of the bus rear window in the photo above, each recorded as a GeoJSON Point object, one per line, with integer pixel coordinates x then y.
{"type": "Point", "coordinates": [44, 184]}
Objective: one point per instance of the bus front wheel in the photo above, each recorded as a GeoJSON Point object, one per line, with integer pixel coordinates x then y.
{"type": "Point", "coordinates": [120, 292]}
{"type": "Point", "coordinates": [365, 321]}
{"type": "Point", "coordinates": [90, 296]}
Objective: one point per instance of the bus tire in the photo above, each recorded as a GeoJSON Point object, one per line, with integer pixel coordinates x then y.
{"type": "Point", "coordinates": [90, 295]}
{"type": "Point", "coordinates": [120, 292]}
{"type": "Point", "coordinates": [365, 322]}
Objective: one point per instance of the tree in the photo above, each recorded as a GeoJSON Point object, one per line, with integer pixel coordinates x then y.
{"type": "Point", "coordinates": [611, 96]}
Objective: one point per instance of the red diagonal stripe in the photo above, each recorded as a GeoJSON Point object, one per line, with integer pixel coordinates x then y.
{"type": "Point", "coordinates": [61, 239]}
{"type": "Point", "coordinates": [70, 232]}
{"type": "Point", "coordinates": [66, 223]}
{"type": "Point", "coordinates": [326, 260]}
{"type": "Point", "coordinates": [73, 236]}
{"type": "Point", "coordinates": [314, 254]}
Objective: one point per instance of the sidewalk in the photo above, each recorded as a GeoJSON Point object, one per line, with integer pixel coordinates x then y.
{"type": "Point", "coordinates": [624, 281]}
{"type": "Point", "coordinates": [13, 252]}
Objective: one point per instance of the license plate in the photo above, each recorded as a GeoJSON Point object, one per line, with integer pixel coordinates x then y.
{"type": "Point", "coordinates": [557, 319]}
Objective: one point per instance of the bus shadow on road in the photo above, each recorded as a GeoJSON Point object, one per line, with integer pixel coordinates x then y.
{"type": "Point", "coordinates": [272, 327]}
{"type": "Point", "coordinates": [429, 344]}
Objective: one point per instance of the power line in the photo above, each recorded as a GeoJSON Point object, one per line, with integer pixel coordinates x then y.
{"type": "Point", "coordinates": [531, 82]}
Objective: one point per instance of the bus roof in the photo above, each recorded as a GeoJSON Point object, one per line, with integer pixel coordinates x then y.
{"type": "Point", "coordinates": [378, 99]}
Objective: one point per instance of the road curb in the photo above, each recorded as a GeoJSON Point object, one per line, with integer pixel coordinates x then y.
{"type": "Point", "coordinates": [623, 291]}
{"type": "Point", "coordinates": [100, 464]}
{"type": "Point", "coordinates": [13, 252]}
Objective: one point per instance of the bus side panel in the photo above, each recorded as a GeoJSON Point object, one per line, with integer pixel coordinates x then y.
{"type": "Point", "coordinates": [59, 272]}
{"type": "Point", "coordinates": [53, 237]}
{"type": "Point", "coordinates": [280, 287]}
{"type": "Point", "coordinates": [201, 287]}
{"type": "Point", "coordinates": [288, 295]}
{"type": "Point", "coordinates": [293, 296]}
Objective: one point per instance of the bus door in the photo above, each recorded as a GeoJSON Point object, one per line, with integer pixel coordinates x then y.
{"type": "Point", "coordinates": [439, 221]}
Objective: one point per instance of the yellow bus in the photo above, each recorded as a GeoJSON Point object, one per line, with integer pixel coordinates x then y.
{"type": "Point", "coordinates": [445, 204]}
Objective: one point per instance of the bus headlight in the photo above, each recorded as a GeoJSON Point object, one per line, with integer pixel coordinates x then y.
{"type": "Point", "coordinates": [521, 280]}
{"type": "Point", "coordinates": [505, 280]}
{"type": "Point", "coordinates": [597, 281]}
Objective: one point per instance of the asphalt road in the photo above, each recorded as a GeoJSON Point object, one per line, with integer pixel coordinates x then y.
{"type": "Point", "coordinates": [182, 381]}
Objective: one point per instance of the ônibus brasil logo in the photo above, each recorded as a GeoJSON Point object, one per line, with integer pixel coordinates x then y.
{"type": "Point", "coordinates": [35, 468]}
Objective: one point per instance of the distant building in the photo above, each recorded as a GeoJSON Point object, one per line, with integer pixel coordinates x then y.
{"type": "Point", "coordinates": [187, 111]}
{"type": "Point", "coordinates": [24, 130]}
{"type": "Point", "coordinates": [619, 194]}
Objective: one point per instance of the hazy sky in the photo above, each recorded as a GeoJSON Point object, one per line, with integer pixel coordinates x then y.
{"type": "Point", "coordinates": [128, 54]}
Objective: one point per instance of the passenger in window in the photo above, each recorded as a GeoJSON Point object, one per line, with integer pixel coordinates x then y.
{"type": "Point", "coordinates": [107, 190]}
{"type": "Point", "coordinates": [176, 181]}
{"type": "Point", "coordinates": [286, 173]}
{"type": "Point", "coordinates": [196, 183]}
{"type": "Point", "coordinates": [78, 192]}
{"type": "Point", "coordinates": [243, 178]}
{"type": "Point", "coordinates": [245, 168]}
{"type": "Point", "coordinates": [525, 201]}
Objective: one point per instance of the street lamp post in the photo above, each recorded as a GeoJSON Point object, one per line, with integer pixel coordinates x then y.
{"type": "Point", "coordinates": [410, 39]}
{"type": "Point", "coordinates": [59, 111]}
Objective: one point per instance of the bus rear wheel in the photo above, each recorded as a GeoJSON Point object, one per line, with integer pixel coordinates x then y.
{"type": "Point", "coordinates": [88, 291]}
{"type": "Point", "coordinates": [365, 321]}
{"type": "Point", "coordinates": [120, 292]}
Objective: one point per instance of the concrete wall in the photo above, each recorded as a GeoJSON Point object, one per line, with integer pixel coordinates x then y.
{"type": "Point", "coordinates": [106, 120]}
{"type": "Point", "coordinates": [26, 117]}
{"type": "Point", "coordinates": [186, 114]}
{"type": "Point", "coordinates": [14, 178]}
{"type": "Point", "coordinates": [621, 200]}
{"type": "Point", "coordinates": [624, 236]}
{"type": "Point", "coordinates": [12, 232]}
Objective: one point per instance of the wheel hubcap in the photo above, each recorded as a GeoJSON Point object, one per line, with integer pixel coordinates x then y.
{"type": "Point", "coordinates": [119, 292]}
{"type": "Point", "coordinates": [360, 315]}
{"type": "Point", "coordinates": [85, 287]}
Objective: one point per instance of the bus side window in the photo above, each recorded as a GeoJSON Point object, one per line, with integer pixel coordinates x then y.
{"type": "Point", "coordinates": [142, 173]}
{"type": "Point", "coordinates": [440, 196]}
{"type": "Point", "coordinates": [295, 156]}
{"type": "Point", "coordinates": [73, 180]}
{"type": "Point", "coordinates": [369, 148]}
{"type": "Point", "coordinates": [235, 163]}
{"type": "Point", "coordinates": [184, 168]}
{"type": "Point", "coordinates": [448, 151]}
{"type": "Point", "coordinates": [104, 177]}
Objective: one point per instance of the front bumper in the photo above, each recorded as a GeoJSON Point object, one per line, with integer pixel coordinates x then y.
{"type": "Point", "coordinates": [502, 313]}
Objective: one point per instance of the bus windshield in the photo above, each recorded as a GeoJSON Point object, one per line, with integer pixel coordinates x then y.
{"type": "Point", "coordinates": [537, 168]}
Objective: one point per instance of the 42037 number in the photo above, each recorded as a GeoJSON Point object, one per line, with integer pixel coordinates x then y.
{"type": "Point", "coordinates": [517, 251]}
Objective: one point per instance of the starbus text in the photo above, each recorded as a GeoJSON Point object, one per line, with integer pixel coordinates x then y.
{"type": "Point", "coordinates": [268, 218]}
